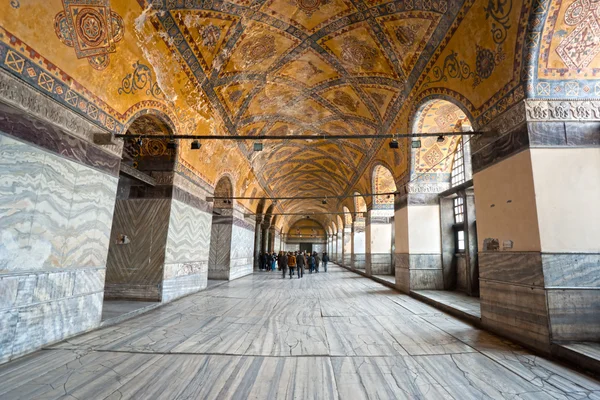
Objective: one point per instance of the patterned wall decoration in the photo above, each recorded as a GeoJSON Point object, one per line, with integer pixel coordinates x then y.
{"type": "Point", "coordinates": [564, 49]}
{"type": "Point", "coordinates": [91, 28]}
{"type": "Point", "coordinates": [383, 182]}
{"type": "Point", "coordinates": [438, 116]}
{"type": "Point", "coordinates": [306, 229]}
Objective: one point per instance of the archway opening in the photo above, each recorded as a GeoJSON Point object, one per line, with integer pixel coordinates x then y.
{"type": "Point", "coordinates": [359, 246]}
{"type": "Point", "coordinates": [444, 164]}
{"type": "Point", "coordinates": [307, 234]}
{"type": "Point", "coordinates": [381, 224]}
{"type": "Point", "coordinates": [136, 253]}
{"type": "Point", "coordinates": [219, 257]}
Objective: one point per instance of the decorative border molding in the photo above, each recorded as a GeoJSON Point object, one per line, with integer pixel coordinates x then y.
{"type": "Point", "coordinates": [562, 110]}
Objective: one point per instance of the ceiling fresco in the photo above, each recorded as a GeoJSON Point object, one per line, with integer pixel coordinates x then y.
{"type": "Point", "coordinates": [302, 67]}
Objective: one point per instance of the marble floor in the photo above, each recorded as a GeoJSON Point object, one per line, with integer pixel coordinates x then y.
{"type": "Point", "coordinates": [332, 335]}
{"type": "Point", "coordinates": [117, 308]}
{"type": "Point", "coordinates": [457, 300]}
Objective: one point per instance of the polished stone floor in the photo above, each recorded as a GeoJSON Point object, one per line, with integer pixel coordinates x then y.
{"type": "Point", "coordinates": [328, 335]}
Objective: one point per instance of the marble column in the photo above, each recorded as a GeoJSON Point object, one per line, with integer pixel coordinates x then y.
{"type": "Point", "coordinates": [418, 260]}
{"type": "Point", "coordinates": [537, 196]}
{"type": "Point", "coordinates": [378, 236]}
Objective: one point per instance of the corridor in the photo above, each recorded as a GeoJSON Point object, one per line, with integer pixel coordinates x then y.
{"type": "Point", "coordinates": [328, 335]}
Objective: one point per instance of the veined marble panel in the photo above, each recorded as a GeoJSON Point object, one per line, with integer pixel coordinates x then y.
{"type": "Point", "coordinates": [135, 270]}
{"type": "Point", "coordinates": [42, 323]}
{"type": "Point", "coordinates": [220, 251]}
{"type": "Point", "coordinates": [189, 234]}
{"type": "Point", "coordinates": [380, 264]}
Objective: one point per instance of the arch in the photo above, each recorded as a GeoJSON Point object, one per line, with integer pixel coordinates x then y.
{"type": "Point", "coordinates": [151, 156]}
{"type": "Point", "coordinates": [347, 217]}
{"type": "Point", "coordinates": [340, 223]}
{"type": "Point", "coordinates": [224, 188]}
{"type": "Point", "coordinates": [382, 181]}
{"type": "Point", "coordinates": [434, 157]}
{"type": "Point", "coordinates": [360, 206]}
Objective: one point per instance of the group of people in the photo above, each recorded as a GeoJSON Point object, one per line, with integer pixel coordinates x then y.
{"type": "Point", "coordinates": [293, 261]}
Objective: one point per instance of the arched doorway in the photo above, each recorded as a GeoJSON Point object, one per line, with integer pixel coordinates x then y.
{"type": "Point", "coordinates": [219, 257]}
{"type": "Point", "coordinates": [307, 234]}
{"type": "Point", "coordinates": [380, 227]}
{"type": "Point", "coordinates": [443, 164]}
{"type": "Point", "coordinates": [358, 233]}
{"type": "Point", "coordinates": [136, 254]}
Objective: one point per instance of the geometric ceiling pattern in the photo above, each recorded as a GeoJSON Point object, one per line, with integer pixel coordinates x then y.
{"type": "Point", "coordinates": [303, 67]}
{"type": "Point", "coordinates": [438, 116]}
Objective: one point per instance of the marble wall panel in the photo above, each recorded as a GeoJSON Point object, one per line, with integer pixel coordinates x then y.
{"type": "Point", "coordinates": [220, 251]}
{"type": "Point", "coordinates": [54, 241]}
{"type": "Point", "coordinates": [514, 267]}
{"type": "Point", "coordinates": [571, 270]}
{"type": "Point", "coordinates": [187, 251]}
{"type": "Point", "coordinates": [49, 322]}
{"type": "Point", "coordinates": [135, 270]}
{"type": "Point", "coordinates": [358, 261]}
{"type": "Point", "coordinates": [516, 311]}
{"type": "Point", "coordinates": [242, 252]}
{"type": "Point", "coordinates": [574, 314]}
{"type": "Point", "coordinates": [189, 278]}
{"type": "Point", "coordinates": [189, 234]}
{"type": "Point", "coordinates": [418, 271]}
{"type": "Point", "coordinates": [380, 264]}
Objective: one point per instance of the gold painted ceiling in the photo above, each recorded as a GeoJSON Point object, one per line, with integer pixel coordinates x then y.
{"type": "Point", "coordinates": [301, 67]}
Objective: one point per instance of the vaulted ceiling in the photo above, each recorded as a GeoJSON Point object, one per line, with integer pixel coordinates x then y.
{"type": "Point", "coordinates": [303, 67]}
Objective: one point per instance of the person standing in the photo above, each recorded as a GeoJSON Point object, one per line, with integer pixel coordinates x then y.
{"type": "Point", "coordinates": [261, 261]}
{"type": "Point", "coordinates": [325, 260]}
{"type": "Point", "coordinates": [311, 263]}
{"type": "Point", "coordinates": [292, 263]}
{"type": "Point", "coordinates": [265, 261]}
{"type": "Point", "coordinates": [282, 261]}
{"type": "Point", "coordinates": [317, 261]}
{"type": "Point", "coordinates": [273, 261]}
{"type": "Point", "coordinates": [301, 263]}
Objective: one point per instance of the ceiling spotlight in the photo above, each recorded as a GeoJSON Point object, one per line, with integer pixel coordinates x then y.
{"type": "Point", "coordinates": [394, 144]}
{"type": "Point", "coordinates": [258, 146]}
{"type": "Point", "coordinates": [415, 144]}
{"type": "Point", "coordinates": [388, 196]}
{"type": "Point", "coordinates": [172, 145]}
{"type": "Point", "coordinates": [441, 139]}
{"type": "Point", "coordinates": [140, 141]}
{"type": "Point", "coordinates": [196, 145]}
{"type": "Point", "coordinates": [308, 217]}
{"type": "Point", "coordinates": [324, 201]}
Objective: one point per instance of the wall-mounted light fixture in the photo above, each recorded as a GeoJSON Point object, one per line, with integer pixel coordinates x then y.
{"type": "Point", "coordinates": [258, 146]}
{"type": "Point", "coordinates": [196, 145]}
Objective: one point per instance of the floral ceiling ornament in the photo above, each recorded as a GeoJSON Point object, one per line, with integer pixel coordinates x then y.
{"type": "Point", "coordinates": [139, 79]}
{"type": "Point", "coordinates": [499, 11]}
{"type": "Point", "coordinates": [91, 28]}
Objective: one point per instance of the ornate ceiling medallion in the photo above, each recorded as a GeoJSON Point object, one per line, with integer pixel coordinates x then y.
{"type": "Point", "coordinates": [90, 27]}
{"type": "Point", "coordinates": [258, 50]}
{"type": "Point", "coordinates": [358, 52]}
{"type": "Point", "coordinates": [308, 7]}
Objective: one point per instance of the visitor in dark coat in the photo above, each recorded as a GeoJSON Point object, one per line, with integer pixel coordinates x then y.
{"type": "Point", "coordinates": [325, 260]}
{"type": "Point", "coordinates": [301, 263]}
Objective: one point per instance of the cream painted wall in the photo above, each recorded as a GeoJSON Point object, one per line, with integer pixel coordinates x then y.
{"type": "Point", "coordinates": [381, 238]}
{"type": "Point", "coordinates": [424, 230]}
{"type": "Point", "coordinates": [359, 243]}
{"type": "Point", "coordinates": [505, 203]}
{"type": "Point", "coordinates": [401, 226]}
{"type": "Point", "coordinates": [567, 193]}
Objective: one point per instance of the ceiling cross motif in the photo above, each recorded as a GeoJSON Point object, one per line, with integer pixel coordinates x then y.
{"type": "Point", "coordinates": [304, 67]}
